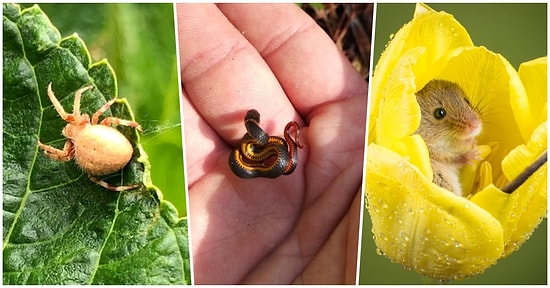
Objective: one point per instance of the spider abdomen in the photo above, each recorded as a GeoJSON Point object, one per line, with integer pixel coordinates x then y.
{"type": "Point", "coordinates": [101, 150]}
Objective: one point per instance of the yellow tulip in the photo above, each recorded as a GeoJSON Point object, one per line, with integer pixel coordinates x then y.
{"type": "Point", "coordinates": [417, 223]}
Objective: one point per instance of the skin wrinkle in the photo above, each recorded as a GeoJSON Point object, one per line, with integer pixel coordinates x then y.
{"type": "Point", "coordinates": [274, 44]}
{"type": "Point", "coordinates": [199, 33]}
{"type": "Point", "coordinates": [259, 40]}
{"type": "Point", "coordinates": [221, 55]}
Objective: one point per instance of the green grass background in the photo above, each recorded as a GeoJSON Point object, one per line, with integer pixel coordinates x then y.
{"type": "Point", "coordinates": [139, 42]}
{"type": "Point", "coordinates": [519, 33]}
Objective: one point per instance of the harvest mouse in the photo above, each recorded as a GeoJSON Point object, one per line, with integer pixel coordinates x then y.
{"type": "Point", "coordinates": [449, 126]}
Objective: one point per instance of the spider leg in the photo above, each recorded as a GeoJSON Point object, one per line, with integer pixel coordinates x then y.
{"type": "Point", "coordinates": [56, 103]}
{"type": "Point", "coordinates": [59, 108]}
{"type": "Point", "coordinates": [77, 96]}
{"type": "Point", "coordinates": [112, 187]}
{"type": "Point", "coordinates": [105, 107]}
{"type": "Point", "coordinates": [117, 121]}
{"type": "Point", "coordinates": [61, 155]}
{"type": "Point", "coordinates": [108, 121]}
{"type": "Point", "coordinates": [112, 120]}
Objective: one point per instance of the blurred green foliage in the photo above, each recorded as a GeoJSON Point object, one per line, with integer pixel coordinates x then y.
{"type": "Point", "coordinates": [139, 42]}
{"type": "Point", "coordinates": [519, 33]}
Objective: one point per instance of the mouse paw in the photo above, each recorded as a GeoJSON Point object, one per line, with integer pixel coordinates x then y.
{"type": "Point", "coordinates": [471, 157]}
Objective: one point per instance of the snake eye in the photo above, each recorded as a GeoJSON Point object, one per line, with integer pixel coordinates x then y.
{"type": "Point", "coordinates": [440, 113]}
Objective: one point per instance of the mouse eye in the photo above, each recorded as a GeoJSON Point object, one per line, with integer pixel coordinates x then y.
{"type": "Point", "coordinates": [440, 113]}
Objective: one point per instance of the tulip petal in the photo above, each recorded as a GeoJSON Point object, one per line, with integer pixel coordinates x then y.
{"type": "Point", "coordinates": [426, 26]}
{"type": "Point", "coordinates": [521, 211]}
{"type": "Point", "coordinates": [422, 226]}
{"type": "Point", "coordinates": [533, 110]}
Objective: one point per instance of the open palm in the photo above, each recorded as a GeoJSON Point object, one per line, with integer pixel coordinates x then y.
{"type": "Point", "coordinates": [299, 228]}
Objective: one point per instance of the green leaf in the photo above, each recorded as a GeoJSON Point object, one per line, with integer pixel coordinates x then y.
{"type": "Point", "coordinates": [154, 93]}
{"type": "Point", "coordinates": [58, 226]}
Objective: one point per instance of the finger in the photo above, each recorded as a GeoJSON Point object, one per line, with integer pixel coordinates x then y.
{"type": "Point", "coordinates": [308, 65]}
{"type": "Point", "coordinates": [202, 144]}
{"type": "Point", "coordinates": [224, 75]}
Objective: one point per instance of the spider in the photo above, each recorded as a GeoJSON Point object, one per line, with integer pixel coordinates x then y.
{"type": "Point", "coordinates": [97, 148]}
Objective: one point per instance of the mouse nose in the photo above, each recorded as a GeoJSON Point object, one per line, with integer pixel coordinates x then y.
{"type": "Point", "coordinates": [474, 126]}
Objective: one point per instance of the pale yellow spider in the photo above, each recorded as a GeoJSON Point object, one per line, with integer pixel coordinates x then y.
{"type": "Point", "coordinates": [97, 148]}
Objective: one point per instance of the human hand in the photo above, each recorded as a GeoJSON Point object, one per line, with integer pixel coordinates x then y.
{"type": "Point", "coordinates": [299, 228]}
